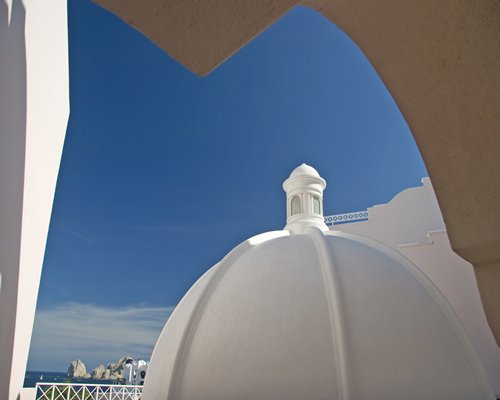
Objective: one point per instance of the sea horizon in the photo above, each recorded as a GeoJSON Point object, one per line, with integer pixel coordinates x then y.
{"type": "Point", "coordinates": [31, 378]}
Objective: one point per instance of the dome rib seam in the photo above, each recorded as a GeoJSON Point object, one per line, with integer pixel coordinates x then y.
{"type": "Point", "coordinates": [335, 313]}
{"type": "Point", "coordinates": [187, 336]}
{"type": "Point", "coordinates": [179, 364]}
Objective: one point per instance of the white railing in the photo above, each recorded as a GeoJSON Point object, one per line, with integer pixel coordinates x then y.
{"type": "Point", "coordinates": [346, 218]}
{"type": "Point", "coordinates": [82, 391]}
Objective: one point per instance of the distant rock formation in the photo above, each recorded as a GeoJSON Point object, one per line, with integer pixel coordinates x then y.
{"type": "Point", "coordinates": [77, 370]}
{"type": "Point", "coordinates": [99, 372]}
{"type": "Point", "coordinates": [114, 371]}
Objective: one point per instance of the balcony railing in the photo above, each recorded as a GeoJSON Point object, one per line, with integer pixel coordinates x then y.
{"type": "Point", "coordinates": [80, 391]}
{"type": "Point", "coordinates": [346, 218]}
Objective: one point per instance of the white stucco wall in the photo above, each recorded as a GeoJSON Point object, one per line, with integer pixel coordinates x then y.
{"type": "Point", "coordinates": [405, 219]}
{"type": "Point", "coordinates": [412, 223]}
{"type": "Point", "coordinates": [34, 109]}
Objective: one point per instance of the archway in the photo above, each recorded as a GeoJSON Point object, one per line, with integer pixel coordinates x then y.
{"type": "Point", "coordinates": [438, 61]}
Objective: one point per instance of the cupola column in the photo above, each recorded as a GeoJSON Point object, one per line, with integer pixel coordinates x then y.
{"type": "Point", "coordinates": [304, 199]}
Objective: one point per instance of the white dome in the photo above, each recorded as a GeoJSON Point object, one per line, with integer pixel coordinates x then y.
{"type": "Point", "coordinates": [316, 315]}
{"type": "Point", "coordinates": [304, 169]}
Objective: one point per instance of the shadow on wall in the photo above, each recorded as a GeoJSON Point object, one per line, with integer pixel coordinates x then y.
{"type": "Point", "coordinates": [12, 154]}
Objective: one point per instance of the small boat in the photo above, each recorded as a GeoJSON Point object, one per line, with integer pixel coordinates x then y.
{"type": "Point", "coordinates": [41, 377]}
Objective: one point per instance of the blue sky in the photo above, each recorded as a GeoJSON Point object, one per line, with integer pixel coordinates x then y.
{"type": "Point", "coordinates": [164, 172]}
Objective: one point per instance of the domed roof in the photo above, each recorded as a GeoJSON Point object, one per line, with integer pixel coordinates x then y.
{"type": "Point", "coordinates": [304, 174]}
{"type": "Point", "coordinates": [314, 316]}
{"type": "Point", "coordinates": [307, 313]}
{"type": "Point", "coordinates": [304, 169]}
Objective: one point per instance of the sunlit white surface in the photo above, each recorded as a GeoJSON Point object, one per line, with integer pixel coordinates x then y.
{"type": "Point", "coordinates": [316, 315]}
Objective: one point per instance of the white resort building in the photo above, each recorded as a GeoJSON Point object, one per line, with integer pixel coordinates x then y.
{"type": "Point", "coordinates": [134, 371]}
{"type": "Point", "coordinates": [312, 313]}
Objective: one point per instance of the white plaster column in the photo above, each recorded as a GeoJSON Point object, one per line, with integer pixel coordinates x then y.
{"type": "Point", "coordinates": [34, 109]}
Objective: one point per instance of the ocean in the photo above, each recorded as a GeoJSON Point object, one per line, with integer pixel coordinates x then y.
{"type": "Point", "coordinates": [32, 377]}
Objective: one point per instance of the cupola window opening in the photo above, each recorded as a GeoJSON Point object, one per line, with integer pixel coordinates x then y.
{"type": "Point", "coordinates": [295, 207]}
{"type": "Point", "coordinates": [316, 205]}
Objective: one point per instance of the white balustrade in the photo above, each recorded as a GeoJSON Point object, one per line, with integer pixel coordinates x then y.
{"type": "Point", "coordinates": [82, 391]}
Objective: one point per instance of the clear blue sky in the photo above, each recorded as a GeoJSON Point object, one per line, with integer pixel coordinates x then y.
{"type": "Point", "coordinates": [164, 172]}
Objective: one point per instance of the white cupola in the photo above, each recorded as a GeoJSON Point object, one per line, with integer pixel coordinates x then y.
{"type": "Point", "coordinates": [304, 199]}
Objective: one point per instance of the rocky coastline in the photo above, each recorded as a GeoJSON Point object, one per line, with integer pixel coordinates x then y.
{"type": "Point", "coordinates": [113, 371]}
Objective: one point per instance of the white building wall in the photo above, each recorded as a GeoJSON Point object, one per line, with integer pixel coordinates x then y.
{"type": "Point", "coordinates": [405, 219]}
{"type": "Point", "coordinates": [412, 223]}
{"type": "Point", "coordinates": [34, 109]}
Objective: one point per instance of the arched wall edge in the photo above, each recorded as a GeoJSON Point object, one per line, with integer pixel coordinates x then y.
{"type": "Point", "coordinates": [438, 60]}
